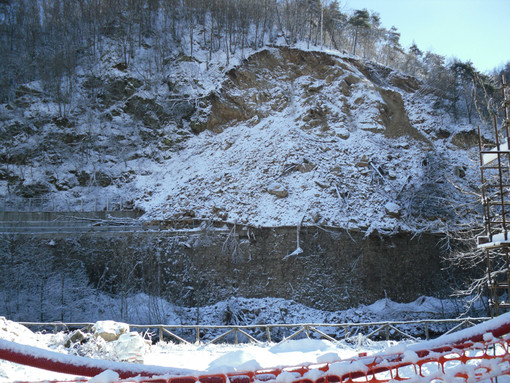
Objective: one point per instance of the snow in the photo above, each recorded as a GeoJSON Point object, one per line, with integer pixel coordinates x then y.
{"type": "Point", "coordinates": [229, 171]}
{"type": "Point", "coordinates": [497, 240]}
{"type": "Point", "coordinates": [196, 360]}
{"type": "Point", "coordinates": [487, 158]}
{"type": "Point", "coordinates": [192, 359]}
{"type": "Point", "coordinates": [107, 376]}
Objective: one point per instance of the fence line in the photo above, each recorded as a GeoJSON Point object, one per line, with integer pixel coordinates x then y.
{"type": "Point", "coordinates": [83, 225]}
{"type": "Point", "coordinates": [67, 223]}
{"type": "Point", "coordinates": [209, 334]}
{"type": "Point", "coordinates": [50, 204]}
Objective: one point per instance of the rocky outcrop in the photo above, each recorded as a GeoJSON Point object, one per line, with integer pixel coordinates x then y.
{"type": "Point", "coordinates": [275, 80]}
{"type": "Point", "coordinates": [277, 190]}
{"type": "Point", "coordinates": [110, 330]}
{"type": "Point", "coordinates": [394, 116]}
{"type": "Point", "coordinates": [336, 269]}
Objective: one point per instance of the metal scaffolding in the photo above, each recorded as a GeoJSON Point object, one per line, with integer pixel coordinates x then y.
{"type": "Point", "coordinates": [495, 190]}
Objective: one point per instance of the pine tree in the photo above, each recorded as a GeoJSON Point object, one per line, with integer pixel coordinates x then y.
{"type": "Point", "coordinates": [334, 22]}
{"type": "Point", "coordinates": [465, 73]}
{"type": "Point", "coordinates": [360, 21]}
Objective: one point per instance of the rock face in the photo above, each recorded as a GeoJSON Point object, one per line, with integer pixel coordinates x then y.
{"type": "Point", "coordinates": [286, 78]}
{"type": "Point", "coordinates": [336, 269]}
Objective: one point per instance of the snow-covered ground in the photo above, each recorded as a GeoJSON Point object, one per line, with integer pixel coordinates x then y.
{"type": "Point", "coordinates": [224, 359]}
{"type": "Point", "coordinates": [213, 358]}
{"type": "Point", "coordinates": [210, 358]}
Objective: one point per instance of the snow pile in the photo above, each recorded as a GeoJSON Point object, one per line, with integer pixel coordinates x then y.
{"type": "Point", "coordinates": [16, 332]}
{"type": "Point", "coordinates": [107, 376]}
{"type": "Point", "coordinates": [253, 311]}
{"type": "Point", "coordinates": [110, 330]}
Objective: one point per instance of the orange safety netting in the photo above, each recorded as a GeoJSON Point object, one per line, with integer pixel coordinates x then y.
{"type": "Point", "coordinates": [469, 362]}
{"type": "Point", "coordinates": [471, 355]}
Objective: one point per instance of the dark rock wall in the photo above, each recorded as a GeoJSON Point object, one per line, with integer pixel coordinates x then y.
{"type": "Point", "coordinates": [335, 270]}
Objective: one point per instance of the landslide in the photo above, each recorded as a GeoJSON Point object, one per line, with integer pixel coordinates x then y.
{"type": "Point", "coordinates": [276, 74]}
{"type": "Point", "coordinates": [285, 137]}
{"type": "Point", "coordinates": [296, 136]}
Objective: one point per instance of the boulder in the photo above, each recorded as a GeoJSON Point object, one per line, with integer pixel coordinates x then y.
{"type": "Point", "coordinates": [393, 210]}
{"type": "Point", "coordinates": [75, 337]}
{"type": "Point", "coordinates": [277, 190]}
{"type": "Point", "coordinates": [110, 330]}
{"type": "Point", "coordinates": [465, 139]}
{"type": "Point", "coordinates": [130, 347]}
{"type": "Point", "coordinates": [364, 162]}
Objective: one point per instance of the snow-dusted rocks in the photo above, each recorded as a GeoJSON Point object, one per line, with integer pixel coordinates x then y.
{"type": "Point", "coordinates": [393, 210]}
{"type": "Point", "coordinates": [367, 122]}
{"type": "Point", "coordinates": [364, 162]}
{"type": "Point", "coordinates": [277, 190]}
{"type": "Point", "coordinates": [75, 337]}
{"type": "Point", "coordinates": [130, 347]}
{"type": "Point", "coordinates": [110, 330]}
{"type": "Point", "coordinates": [211, 139]}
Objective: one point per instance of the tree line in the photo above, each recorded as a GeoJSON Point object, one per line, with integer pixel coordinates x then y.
{"type": "Point", "coordinates": [46, 40]}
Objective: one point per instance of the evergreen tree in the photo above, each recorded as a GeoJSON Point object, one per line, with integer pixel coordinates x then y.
{"type": "Point", "coordinates": [413, 60]}
{"type": "Point", "coordinates": [334, 23]}
{"type": "Point", "coordinates": [464, 74]}
{"type": "Point", "coordinates": [360, 21]}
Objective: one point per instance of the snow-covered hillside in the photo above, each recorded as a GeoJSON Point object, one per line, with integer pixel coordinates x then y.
{"type": "Point", "coordinates": [283, 137]}
{"type": "Point", "coordinates": [295, 135]}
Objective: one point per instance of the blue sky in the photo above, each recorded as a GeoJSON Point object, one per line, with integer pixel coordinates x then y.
{"type": "Point", "coordinates": [476, 30]}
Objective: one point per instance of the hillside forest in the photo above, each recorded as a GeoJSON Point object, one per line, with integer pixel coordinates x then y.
{"type": "Point", "coordinates": [46, 40]}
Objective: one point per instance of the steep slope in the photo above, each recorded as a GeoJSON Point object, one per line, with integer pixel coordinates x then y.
{"type": "Point", "coordinates": [352, 151]}
{"type": "Point", "coordinates": [296, 136]}
{"type": "Point", "coordinates": [286, 136]}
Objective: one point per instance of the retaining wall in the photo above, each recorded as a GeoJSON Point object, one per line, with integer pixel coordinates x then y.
{"type": "Point", "coordinates": [336, 269]}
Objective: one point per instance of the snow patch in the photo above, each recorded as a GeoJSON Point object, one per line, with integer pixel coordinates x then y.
{"type": "Point", "coordinates": [107, 376]}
